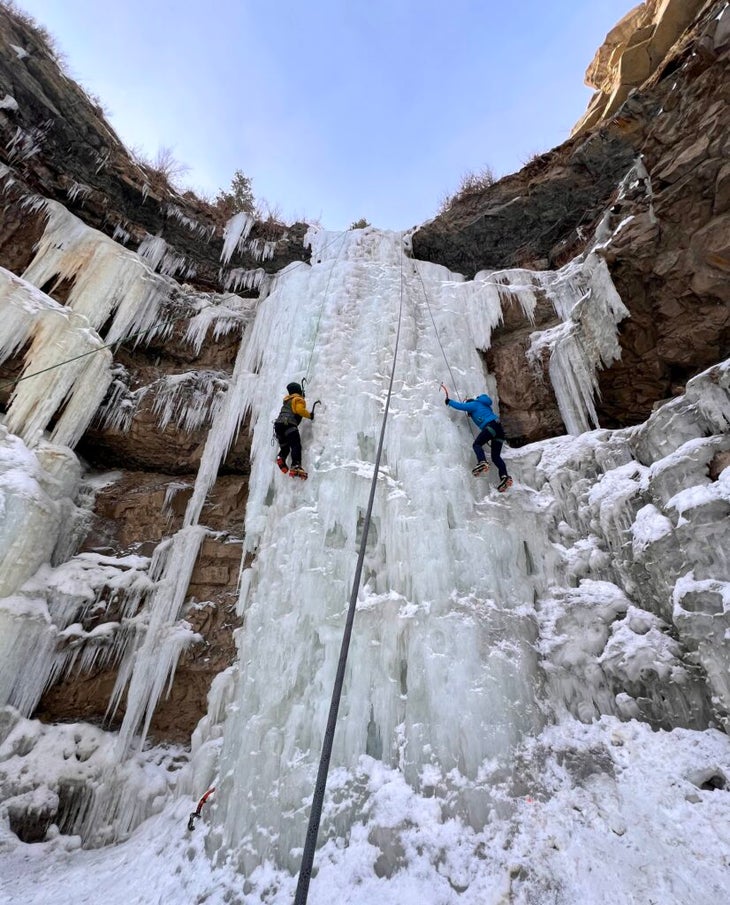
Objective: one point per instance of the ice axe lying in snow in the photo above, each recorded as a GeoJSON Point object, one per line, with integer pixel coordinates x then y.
{"type": "Point", "coordinates": [196, 813]}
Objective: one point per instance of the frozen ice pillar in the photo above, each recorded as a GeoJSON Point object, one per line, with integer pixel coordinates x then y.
{"type": "Point", "coordinates": [440, 672]}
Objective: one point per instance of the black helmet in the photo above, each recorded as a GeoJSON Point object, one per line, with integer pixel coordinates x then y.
{"type": "Point", "coordinates": [295, 388]}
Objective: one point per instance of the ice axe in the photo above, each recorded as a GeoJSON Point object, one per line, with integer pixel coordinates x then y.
{"type": "Point", "coordinates": [196, 813]}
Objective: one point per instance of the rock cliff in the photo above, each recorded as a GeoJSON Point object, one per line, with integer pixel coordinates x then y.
{"type": "Point", "coordinates": [670, 262]}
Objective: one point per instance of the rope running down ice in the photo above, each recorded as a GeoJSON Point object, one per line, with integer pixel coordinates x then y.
{"type": "Point", "coordinates": [305, 871]}
{"type": "Point", "coordinates": [324, 299]}
{"type": "Point", "coordinates": [438, 340]}
{"type": "Point", "coordinates": [435, 330]}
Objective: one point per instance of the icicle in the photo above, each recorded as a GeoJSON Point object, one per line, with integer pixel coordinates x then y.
{"type": "Point", "coordinates": [78, 190]}
{"type": "Point", "coordinates": [24, 145]}
{"type": "Point", "coordinates": [106, 277]}
{"type": "Point", "coordinates": [151, 663]}
{"type": "Point", "coordinates": [65, 373]}
{"type": "Point", "coordinates": [26, 640]}
{"type": "Point", "coordinates": [222, 433]}
{"type": "Point", "coordinates": [172, 210]}
{"type": "Point", "coordinates": [584, 295]}
{"type": "Point", "coordinates": [33, 486]}
{"type": "Point", "coordinates": [152, 249]}
{"type": "Point", "coordinates": [62, 376]}
{"type": "Point", "coordinates": [237, 228]}
{"type": "Point", "coordinates": [21, 303]}
{"type": "Point", "coordinates": [259, 249]}
{"type": "Point", "coordinates": [190, 400]}
{"type": "Point", "coordinates": [121, 234]}
{"type": "Point", "coordinates": [224, 314]}
{"type": "Point", "coordinates": [238, 278]}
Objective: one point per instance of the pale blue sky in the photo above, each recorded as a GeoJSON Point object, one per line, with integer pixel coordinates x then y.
{"type": "Point", "coordinates": [337, 109]}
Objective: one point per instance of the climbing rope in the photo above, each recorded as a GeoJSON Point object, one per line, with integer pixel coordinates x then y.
{"type": "Point", "coordinates": [443, 352]}
{"type": "Point", "coordinates": [305, 870]}
{"type": "Point", "coordinates": [66, 361]}
{"type": "Point", "coordinates": [435, 330]}
{"type": "Point", "coordinates": [324, 299]}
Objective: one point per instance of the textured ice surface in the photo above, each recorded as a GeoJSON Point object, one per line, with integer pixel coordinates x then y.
{"type": "Point", "coordinates": [53, 334]}
{"type": "Point", "coordinates": [36, 494]}
{"type": "Point", "coordinates": [606, 812]}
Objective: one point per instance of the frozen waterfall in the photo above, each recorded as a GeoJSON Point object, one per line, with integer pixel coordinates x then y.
{"type": "Point", "coordinates": [442, 672]}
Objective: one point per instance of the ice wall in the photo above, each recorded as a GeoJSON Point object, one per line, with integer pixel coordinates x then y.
{"type": "Point", "coordinates": [480, 615]}
{"type": "Point", "coordinates": [429, 638]}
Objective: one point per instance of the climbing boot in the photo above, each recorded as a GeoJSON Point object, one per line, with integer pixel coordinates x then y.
{"type": "Point", "coordinates": [282, 464]}
{"type": "Point", "coordinates": [296, 471]}
{"type": "Point", "coordinates": [505, 482]}
{"type": "Point", "coordinates": [481, 468]}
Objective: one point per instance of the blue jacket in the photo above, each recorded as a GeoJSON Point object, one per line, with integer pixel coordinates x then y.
{"type": "Point", "coordinates": [480, 410]}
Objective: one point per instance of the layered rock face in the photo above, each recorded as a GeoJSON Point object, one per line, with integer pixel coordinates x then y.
{"type": "Point", "coordinates": [670, 258]}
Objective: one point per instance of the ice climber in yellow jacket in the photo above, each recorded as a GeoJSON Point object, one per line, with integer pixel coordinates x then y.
{"type": "Point", "coordinates": [286, 428]}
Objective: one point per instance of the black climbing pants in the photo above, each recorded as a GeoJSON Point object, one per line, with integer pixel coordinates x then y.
{"type": "Point", "coordinates": [492, 433]}
{"type": "Point", "coordinates": [289, 442]}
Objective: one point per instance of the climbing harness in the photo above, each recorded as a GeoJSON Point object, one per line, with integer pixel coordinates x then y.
{"type": "Point", "coordinates": [305, 870]}
{"type": "Point", "coordinates": [194, 815]}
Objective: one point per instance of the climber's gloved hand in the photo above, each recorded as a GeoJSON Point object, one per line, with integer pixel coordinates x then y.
{"type": "Point", "coordinates": [446, 401]}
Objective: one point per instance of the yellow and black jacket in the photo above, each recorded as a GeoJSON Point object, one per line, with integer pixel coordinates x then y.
{"type": "Point", "coordinates": [293, 410]}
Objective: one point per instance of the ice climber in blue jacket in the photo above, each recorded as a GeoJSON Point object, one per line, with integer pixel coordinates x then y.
{"type": "Point", "coordinates": [490, 431]}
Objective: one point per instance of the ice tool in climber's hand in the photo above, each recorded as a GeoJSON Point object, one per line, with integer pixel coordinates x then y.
{"type": "Point", "coordinates": [194, 815]}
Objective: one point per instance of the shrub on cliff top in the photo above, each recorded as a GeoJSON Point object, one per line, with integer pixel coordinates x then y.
{"type": "Point", "coordinates": [472, 183]}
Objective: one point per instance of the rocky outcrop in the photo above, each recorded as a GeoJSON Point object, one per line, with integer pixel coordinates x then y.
{"type": "Point", "coordinates": [669, 260]}
{"type": "Point", "coordinates": [633, 51]}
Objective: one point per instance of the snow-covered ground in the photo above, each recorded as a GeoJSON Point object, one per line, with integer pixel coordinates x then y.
{"type": "Point", "coordinates": [589, 814]}
{"type": "Point", "coordinates": [538, 681]}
